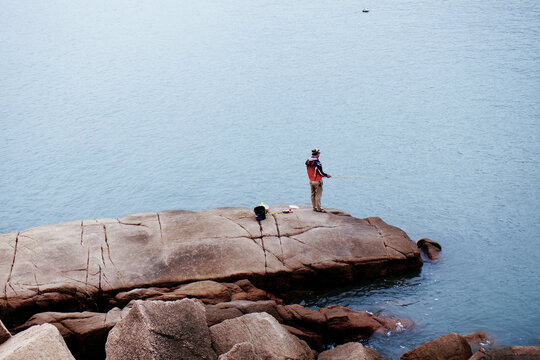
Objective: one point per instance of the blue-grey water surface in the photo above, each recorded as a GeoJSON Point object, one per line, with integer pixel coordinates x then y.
{"type": "Point", "coordinates": [430, 110]}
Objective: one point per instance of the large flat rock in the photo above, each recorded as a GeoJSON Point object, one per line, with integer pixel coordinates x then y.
{"type": "Point", "coordinates": [81, 264]}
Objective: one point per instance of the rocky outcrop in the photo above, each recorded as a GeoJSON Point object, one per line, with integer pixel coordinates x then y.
{"type": "Point", "coordinates": [447, 347]}
{"type": "Point", "coordinates": [430, 248]}
{"type": "Point", "coordinates": [268, 338]}
{"type": "Point", "coordinates": [101, 263]}
{"type": "Point", "coordinates": [510, 352]}
{"type": "Point", "coordinates": [161, 330]}
{"type": "Point", "coordinates": [86, 332]}
{"type": "Point", "coordinates": [38, 342]}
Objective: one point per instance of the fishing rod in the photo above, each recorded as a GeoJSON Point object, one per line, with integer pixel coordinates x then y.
{"type": "Point", "coordinates": [359, 177]}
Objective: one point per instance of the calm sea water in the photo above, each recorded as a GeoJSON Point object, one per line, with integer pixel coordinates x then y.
{"type": "Point", "coordinates": [430, 111]}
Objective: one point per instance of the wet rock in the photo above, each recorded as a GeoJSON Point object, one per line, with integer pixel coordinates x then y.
{"type": "Point", "coordinates": [338, 323]}
{"type": "Point", "coordinates": [447, 347]}
{"type": "Point", "coordinates": [4, 333]}
{"type": "Point", "coordinates": [161, 330]}
{"type": "Point", "coordinates": [92, 264]}
{"type": "Point", "coordinates": [430, 248]}
{"type": "Point", "coordinates": [478, 339]}
{"type": "Point", "coordinates": [38, 342]}
{"type": "Point", "coordinates": [269, 339]}
{"type": "Point", "coordinates": [510, 352]}
{"type": "Point", "coordinates": [348, 351]}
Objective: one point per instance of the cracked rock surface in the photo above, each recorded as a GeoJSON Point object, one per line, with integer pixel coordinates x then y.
{"type": "Point", "coordinates": [81, 265]}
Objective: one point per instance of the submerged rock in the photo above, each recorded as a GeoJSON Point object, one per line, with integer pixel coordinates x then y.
{"type": "Point", "coordinates": [96, 264]}
{"type": "Point", "coordinates": [430, 248]}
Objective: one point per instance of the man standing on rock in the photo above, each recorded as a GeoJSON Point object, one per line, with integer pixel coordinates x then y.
{"type": "Point", "coordinates": [315, 174]}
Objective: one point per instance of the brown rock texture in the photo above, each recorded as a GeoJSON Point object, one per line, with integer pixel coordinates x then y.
{"type": "Point", "coordinates": [161, 330]}
{"type": "Point", "coordinates": [447, 347]}
{"type": "Point", "coordinates": [38, 342]}
{"type": "Point", "coordinates": [507, 353]}
{"type": "Point", "coordinates": [338, 323]}
{"type": "Point", "coordinates": [430, 248]}
{"type": "Point", "coordinates": [95, 264]}
{"type": "Point", "coordinates": [209, 292]}
{"type": "Point", "coordinates": [269, 339]}
{"type": "Point", "coordinates": [333, 324]}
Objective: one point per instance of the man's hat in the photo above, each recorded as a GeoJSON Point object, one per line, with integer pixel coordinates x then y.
{"type": "Point", "coordinates": [315, 152]}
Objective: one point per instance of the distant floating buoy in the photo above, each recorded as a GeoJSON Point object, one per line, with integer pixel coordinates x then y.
{"type": "Point", "coordinates": [365, 11]}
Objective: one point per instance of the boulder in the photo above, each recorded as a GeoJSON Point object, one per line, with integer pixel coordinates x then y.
{"type": "Point", "coordinates": [161, 330]}
{"type": "Point", "coordinates": [269, 339]}
{"type": "Point", "coordinates": [510, 352]}
{"type": "Point", "coordinates": [86, 265]}
{"type": "Point", "coordinates": [348, 351]}
{"type": "Point", "coordinates": [447, 347]}
{"type": "Point", "coordinates": [4, 333]}
{"type": "Point", "coordinates": [38, 342]}
{"type": "Point", "coordinates": [360, 324]}
{"type": "Point", "coordinates": [430, 248]}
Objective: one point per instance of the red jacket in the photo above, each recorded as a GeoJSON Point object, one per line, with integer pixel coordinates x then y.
{"type": "Point", "coordinates": [314, 169]}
